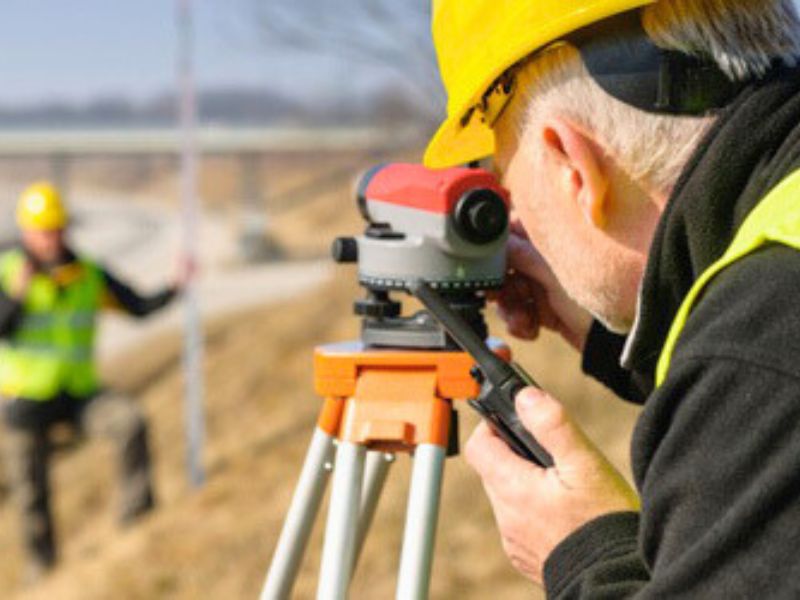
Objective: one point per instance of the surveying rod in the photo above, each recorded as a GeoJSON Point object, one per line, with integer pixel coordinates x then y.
{"type": "Point", "coordinates": [193, 345]}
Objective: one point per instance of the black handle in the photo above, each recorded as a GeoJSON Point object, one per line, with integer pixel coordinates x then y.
{"type": "Point", "coordinates": [496, 405]}
{"type": "Point", "coordinates": [501, 381]}
{"type": "Point", "coordinates": [539, 455]}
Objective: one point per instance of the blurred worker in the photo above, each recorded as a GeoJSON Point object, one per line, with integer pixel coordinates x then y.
{"type": "Point", "coordinates": [652, 151]}
{"type": "Point", "coordinates": [49, 302]}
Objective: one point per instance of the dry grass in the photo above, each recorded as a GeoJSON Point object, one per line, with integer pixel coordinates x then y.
{"type": "Point", "coordinates": [216, 542]}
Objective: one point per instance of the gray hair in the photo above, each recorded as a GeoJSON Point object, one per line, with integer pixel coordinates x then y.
{"type": "Point", "coordinates": [744, 37]}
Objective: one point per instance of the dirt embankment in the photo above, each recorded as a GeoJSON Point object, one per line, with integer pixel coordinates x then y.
{"type": "Point", "coordinates": [216, 542]}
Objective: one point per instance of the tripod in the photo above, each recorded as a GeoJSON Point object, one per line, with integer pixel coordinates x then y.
{"type": "Point", "coordinates": [377, 403]}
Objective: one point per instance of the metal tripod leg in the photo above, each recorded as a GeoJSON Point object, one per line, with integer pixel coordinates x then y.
{"type": "Point", "coordinates": [377, 469]}
{"type": "Point", "coordinates": [300, 518]}
{"type": "Point", "coordinates": [340, 532]}
{"type": "Point", "coordinates": [421, 519]}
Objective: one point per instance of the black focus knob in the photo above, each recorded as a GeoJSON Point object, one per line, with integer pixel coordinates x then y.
{"type": "Point", "coordinates": [345, 250]}
{"type": "Point", "coordinates": [377, 309]}
{"type": "Point", "coordinates": [481, 216]}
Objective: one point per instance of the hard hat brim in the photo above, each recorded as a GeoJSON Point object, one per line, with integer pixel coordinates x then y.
{"type": "Point", "coordinates": [468, 74]}
{"type": "Point", "coordinates": [454, 144]}
{"type": "Point", "coordinates": [56, 225]}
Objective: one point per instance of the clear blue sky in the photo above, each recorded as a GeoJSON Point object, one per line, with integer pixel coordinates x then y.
{"type": "Point", "coordinates": [80, 49]}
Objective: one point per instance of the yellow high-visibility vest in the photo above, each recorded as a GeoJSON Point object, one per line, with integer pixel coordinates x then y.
{"type": "Point", "coordinates": [776, 219]}
{"type": "Point", "coordinates": [52, 349]}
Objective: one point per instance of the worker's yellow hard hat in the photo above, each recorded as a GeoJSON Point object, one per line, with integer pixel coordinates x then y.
{"type": "Point", "coordinates": [40, 208]}
{"type": "Point", "coordinates": [477, 41]}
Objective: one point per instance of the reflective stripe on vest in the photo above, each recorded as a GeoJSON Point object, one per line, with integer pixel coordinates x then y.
{"type": "Point", "coordinates": [76, 319]}
{"type": "Point", "coordinates": [51, 351]}
{"type": "Point", "coordinates": [776, 219]}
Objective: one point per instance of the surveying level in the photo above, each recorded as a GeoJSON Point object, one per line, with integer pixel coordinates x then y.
{"type": "Point", "coordinates": [440, 235]}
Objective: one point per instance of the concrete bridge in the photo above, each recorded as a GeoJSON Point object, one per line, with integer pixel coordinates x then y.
{"type": "Point", "coordinates": [62, 148]}
{"type": "Point", "coordinates": [214, 141]}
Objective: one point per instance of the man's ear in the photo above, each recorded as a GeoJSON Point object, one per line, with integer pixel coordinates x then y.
{"type": "Point", "coordinates": [581, 165]}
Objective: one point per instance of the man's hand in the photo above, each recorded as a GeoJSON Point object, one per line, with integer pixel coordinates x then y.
{"type": "Point", "coordinates": [533, 298]}
{"type": "Point", "coordinates": [185, 272]}
{"type": "Point", "coordinates": [538, 508]}
{"type": "Point", "coordinates": [22, 281]}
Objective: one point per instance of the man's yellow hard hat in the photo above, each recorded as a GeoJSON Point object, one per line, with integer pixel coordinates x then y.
{"type": "Point", "coordinates": [477, 41]}
{"type": "Point", "coordinates": [40, 208]}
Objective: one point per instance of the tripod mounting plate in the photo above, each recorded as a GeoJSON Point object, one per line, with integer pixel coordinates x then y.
{"type": "Point", "coordinates": [384, 387]}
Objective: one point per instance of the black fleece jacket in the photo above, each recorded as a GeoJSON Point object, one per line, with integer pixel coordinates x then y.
{"type": "Point", "coordinates": [716, 451]}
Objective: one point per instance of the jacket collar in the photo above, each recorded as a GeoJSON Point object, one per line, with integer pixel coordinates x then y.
{"type": "Point", "coordinates": [753, 145]}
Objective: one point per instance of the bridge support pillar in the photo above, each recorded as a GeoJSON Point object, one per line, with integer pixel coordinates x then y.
{"type": "Point", "coordinates": [255, 241]}
{"type": "Point", "coordinates": [60, 174]}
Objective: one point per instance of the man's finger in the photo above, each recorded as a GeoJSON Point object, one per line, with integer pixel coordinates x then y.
{"type": "Point", "coordinates": [515, 227]}
{"type": "Point", "coordinates": [551, 425]}
{"type": "Point", "coordinates": [523, 257]}
{"type": "Point", "coordinates": [523, 325]}
{"type": "Point", "coordinates": [519, 310]}
{"type": "Point", "coordinates": [489, 455]}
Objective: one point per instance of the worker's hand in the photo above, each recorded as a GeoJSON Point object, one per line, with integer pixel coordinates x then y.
{"type": "Point", "coordinates": [22, 282]}
{"type": "Point", "coordinates": [533, 298]}
{"type": "Point", "coordinates": [185, 272]}
{"type": "Point", "coordinates": [537, 508]}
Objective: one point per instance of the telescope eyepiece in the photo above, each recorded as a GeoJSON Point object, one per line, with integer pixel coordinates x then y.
{"type": "Point", "coordinates": [481, 216]}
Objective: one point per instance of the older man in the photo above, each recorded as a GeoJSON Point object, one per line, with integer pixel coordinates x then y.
{"type": "Point", "coordinates": [652, 150]}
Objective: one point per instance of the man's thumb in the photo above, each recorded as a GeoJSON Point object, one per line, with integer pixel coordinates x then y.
{"type": "Point", "coordinates": [548, 421]}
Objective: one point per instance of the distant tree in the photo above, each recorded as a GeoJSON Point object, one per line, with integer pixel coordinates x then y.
{"type": "Point", "coordinates": [394, 34]}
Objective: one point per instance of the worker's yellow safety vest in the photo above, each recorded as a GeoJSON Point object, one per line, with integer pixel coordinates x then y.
{"type": "Point", "coordinates": [776, 219]}
{"type": "Point", "coordinates": [52, 350]}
